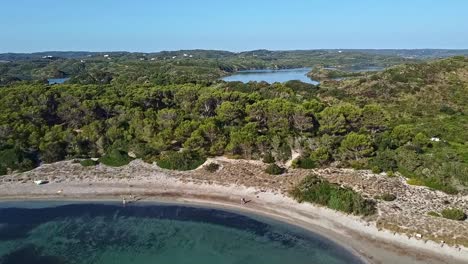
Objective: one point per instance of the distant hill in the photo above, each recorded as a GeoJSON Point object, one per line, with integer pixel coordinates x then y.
{"type": "Point", "coordinates": [404, 53]}
{"type": "Point", "coordinates": [435, 83]}
{"type": "Point", "coordinates": [418, 53]}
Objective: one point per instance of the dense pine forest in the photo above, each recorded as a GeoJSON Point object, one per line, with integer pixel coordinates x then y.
{"type": "Point", "coordinates": [410, 118]}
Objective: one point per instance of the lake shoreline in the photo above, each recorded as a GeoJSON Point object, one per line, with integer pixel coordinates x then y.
{"type": "Point", "coordinates": [351, 232]}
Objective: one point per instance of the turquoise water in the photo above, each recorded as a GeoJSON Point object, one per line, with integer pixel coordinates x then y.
{"type": "Point", "coordinates": [152, 233]}
{"type": "Point", "coordinates": [271, 76]}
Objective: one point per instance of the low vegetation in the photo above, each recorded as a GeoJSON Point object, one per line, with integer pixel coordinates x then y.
{"type": "Point", "coordinates": [388, 197]}
{"type": "Point", "coordinates": [274, 169]}
{"type": "Point", "coordinates": [212, 167]}
{"type": "Point", "coordinates": [316, 190]}
{"type": "Point", "coordinates": [408, 119]}
{"type": "Point", "coordinates": [268, 158]}
{"type": "Point", "coordinates": [434, 214]}
{"type": "Point", "coordinates": [454, 214]}
{"type": "Point", "coordinates": [88, 162]}
{"type": "Point", "coordinates": [304, 163]}
{"type": "Point", "coordinates": [322, 74]}
{"type": "Point", "coordinates": [183, 160]}
{"type": "Point", "coordinates": [115, 158]}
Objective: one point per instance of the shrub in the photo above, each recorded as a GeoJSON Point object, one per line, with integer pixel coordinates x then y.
{"type": "Point", "coordinates": [376, 170]}
{"type": "Point", "coordinates": [359, 164]}
{"type": "Point", "coordinates": [115, 158]}
{"type": "Point", "coordinates": [283, 153]}
{"type": "Point", "coordinates": [184, 160]}
{"type": "Point", "coordinates": [53, 152]}
{"type": "Point", "coordinates": [356, 146]}
{"type": "Point", "coordinates": [274, 169]}
{"type": "Point", "coordinates": [432, 213]}
{"type": "Point", "coordinates": [383, 161]}
{"type": "Point", "coordinates": [304, 163]}
{"type": "Point", "coordinates": [3, 170]}
{"type": "Point", "coordinates": [448, 110]}
{"type": "Point", "coordinates": [321, 155]}
{"type": "Point", "coordinates": [454, 214]}
{"type": "Point", "coordinates": [268, 158]}
{"type": "Point", "coordinates": [89, 162]}
{"type": "Point", "coordinates": [212, 167]}
{"type": "Point", "coordinates": [388, 197]}
{"type": "Point", "coordinates": [15, 159]}
{"type": "Point", "coordinates": [316, 190]}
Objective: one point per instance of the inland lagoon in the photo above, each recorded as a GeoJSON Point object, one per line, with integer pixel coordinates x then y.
{"type": "Point", "coordinates": [59, 233]}
{"type": "Point", "coordinates": [271, 76]}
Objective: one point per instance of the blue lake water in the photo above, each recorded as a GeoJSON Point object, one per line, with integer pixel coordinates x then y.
{"type": "Point", "coordinates": [271, 76]}
{"type": "Point", "coordinates": [154, 233]}
{"type": "Point", "coordinates": [57, 80]}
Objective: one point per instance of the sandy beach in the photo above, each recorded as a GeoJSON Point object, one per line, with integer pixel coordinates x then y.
{"type": "Point", "coordinates": [360, 236]}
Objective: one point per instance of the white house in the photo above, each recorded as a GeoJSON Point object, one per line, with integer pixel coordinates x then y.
{"type": "Point", "coordinates": [435, 139]}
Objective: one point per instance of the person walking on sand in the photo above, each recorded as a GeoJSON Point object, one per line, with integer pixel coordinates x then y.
{"type": "Point", "coordinates": [243, 201]}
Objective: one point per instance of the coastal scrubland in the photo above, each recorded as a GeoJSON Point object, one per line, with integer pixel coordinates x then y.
{"type": "Point", "coordinates": [409, 119]}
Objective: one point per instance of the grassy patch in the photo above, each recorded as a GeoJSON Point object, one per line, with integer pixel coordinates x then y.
{"type": "Point", "coordinates": [433, 184]}
{"type": "Point", "coordinates": [415, 181]}
{"type": "Point", "coordinates": [89, 163]}
{"type": "Point", "coordinates": [432, 213]}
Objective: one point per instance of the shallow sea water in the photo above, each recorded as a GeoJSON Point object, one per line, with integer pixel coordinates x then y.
{"type": "Point", "coordinates": [154, 233]}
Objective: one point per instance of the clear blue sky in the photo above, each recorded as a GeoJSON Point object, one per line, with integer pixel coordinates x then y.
{"type": "Point", "coordinates": [154, 25]}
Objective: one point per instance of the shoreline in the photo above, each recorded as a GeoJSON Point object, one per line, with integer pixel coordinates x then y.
{"type": "Point", "coordinates": [356, 235]}
{"type": "Point", "coordinates": [205, 202]}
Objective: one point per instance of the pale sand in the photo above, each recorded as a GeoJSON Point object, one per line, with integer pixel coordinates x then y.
{"type": "Point", "coordinates": [356, 235]}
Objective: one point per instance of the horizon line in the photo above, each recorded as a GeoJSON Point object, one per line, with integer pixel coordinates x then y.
{"type": "Point", "coordinates": [242, 51]}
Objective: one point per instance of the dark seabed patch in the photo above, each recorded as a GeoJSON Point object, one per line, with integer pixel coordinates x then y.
{"type": "Point", "coordinates": [31, 255]}
{"type": "Point", "coordinates": [109, 233]}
